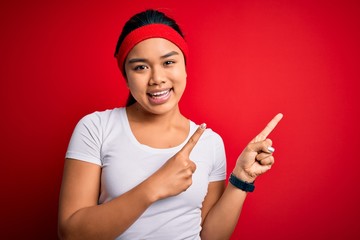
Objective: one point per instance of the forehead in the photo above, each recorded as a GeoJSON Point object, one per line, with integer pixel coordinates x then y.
{"type": "Point", "coordinates": [153, 46]}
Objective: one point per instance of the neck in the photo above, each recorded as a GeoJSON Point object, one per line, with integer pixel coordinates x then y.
{"type": "Point", "coordinates": [163, 130]}
{"type": "Point", "coordinates": [137, 114]}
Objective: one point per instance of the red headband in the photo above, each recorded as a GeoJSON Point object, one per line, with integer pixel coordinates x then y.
{"type": "Point", "coordinates": [146, 32]}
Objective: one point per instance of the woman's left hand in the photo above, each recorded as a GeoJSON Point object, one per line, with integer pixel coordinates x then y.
{"type": "Point", "coordinates": [257, 157]}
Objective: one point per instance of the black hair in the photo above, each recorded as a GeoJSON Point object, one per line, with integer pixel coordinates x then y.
{"type": "Point", "coordinates": [141, 19]}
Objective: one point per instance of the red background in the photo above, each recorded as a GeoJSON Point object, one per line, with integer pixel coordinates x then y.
{"type": "Point", "coordinates": [249, 60]}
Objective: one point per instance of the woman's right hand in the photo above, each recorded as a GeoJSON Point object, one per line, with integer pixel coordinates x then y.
{"type": "Point", "coordinates": [175, 176]}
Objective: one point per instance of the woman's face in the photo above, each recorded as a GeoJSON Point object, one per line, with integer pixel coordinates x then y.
{"type": "Point", "coordinates": [156, 75]}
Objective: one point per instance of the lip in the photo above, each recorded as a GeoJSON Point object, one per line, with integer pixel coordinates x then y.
{"type": "Point", "coordinates": [159, 96]}
{"type": "Point", "coordinates": [158, 91]}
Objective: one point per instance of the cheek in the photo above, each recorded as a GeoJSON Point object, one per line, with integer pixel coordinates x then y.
{"type": "Point", "coordinates": [180, 84]}
{"type": "Point", "coordinates": [180, 75]}
{"type": "Point", "coordinates": [134, 85]}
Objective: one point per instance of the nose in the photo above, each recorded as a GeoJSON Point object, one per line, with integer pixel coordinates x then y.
{"type": "Point", "coordinates": [157, 76]}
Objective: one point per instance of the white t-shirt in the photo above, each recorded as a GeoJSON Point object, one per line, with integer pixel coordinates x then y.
{"type": "Point", "coordinates": [105, 138]}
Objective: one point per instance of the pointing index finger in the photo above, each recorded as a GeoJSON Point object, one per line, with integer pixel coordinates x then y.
{"type": "Point", "coordinates": [268, 129]}
{"type": "Point", "coordinates": [188, 147]}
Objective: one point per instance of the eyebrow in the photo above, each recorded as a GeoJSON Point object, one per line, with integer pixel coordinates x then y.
{"type": "Point", "coordinates": [134, 60]}
{"type": "Point", "coordinates": [172, 53]}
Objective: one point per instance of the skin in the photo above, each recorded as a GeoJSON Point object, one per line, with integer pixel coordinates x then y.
{"type": "Point", "coordinates": [155, 65]}
{"type": "Point", "coordinates": [151, 66]}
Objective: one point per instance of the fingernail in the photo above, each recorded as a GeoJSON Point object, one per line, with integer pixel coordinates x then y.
{"type": "Point", "coordinates": [203, 126]}
{"type": "Point", "coordinates": [271, 149]}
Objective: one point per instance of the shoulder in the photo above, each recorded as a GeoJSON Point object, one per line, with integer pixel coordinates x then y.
{"type": "Point", "coordinates": [105, 114]}
{"type": "Point", "coordinates": [98, 118]}
{"type": "Point", "coordinates": [100, 121]}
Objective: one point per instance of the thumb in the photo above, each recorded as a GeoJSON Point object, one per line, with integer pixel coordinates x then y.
{"type": "Point", "coordinates": [262, 146]}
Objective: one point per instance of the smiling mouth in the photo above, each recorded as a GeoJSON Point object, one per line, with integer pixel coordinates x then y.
{"type": "Point", "coordinates": [159, 95]}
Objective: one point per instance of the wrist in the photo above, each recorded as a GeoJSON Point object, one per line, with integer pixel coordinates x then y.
{"type": "Point", "coordinates": [241, 184]}
{"type": "Point", "coordinates": [243, 175]}
{"type": "Point", "coordinates": [151, 192]}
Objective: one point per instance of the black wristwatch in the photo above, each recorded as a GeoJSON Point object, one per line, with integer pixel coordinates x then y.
{"type": "Point", "coordinates": [240, 184]}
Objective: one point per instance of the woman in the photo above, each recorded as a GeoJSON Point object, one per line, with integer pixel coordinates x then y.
{"type": "Point", "coordinates": [146, 171]}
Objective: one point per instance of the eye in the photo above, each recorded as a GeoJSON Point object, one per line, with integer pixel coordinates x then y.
{"type": "Point", "coordinates": [140, 67]}
{"type": "Point", "coordinates": [169, 62]}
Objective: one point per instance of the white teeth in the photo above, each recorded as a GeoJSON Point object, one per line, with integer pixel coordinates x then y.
{"type": "Point", "coordinates": [159, 93]}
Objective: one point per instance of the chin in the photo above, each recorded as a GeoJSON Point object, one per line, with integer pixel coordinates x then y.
{"type": "Point", "coordinates": [162, 108]}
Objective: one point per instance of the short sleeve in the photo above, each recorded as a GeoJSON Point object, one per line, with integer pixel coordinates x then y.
{"type": "Point", "coordinates": [85, 142]}
{"type": "Point", "coordinates": [218, 172]}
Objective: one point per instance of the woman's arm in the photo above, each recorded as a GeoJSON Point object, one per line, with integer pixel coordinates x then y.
{"type": "Point", "coordinates": [215, 191]}
{"type": "Point", "coordinates": [80, 216]}
{"type": "Point", "coordinates": [223, 215]}
{"type": "Point", "coordinates": [255, 160]}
